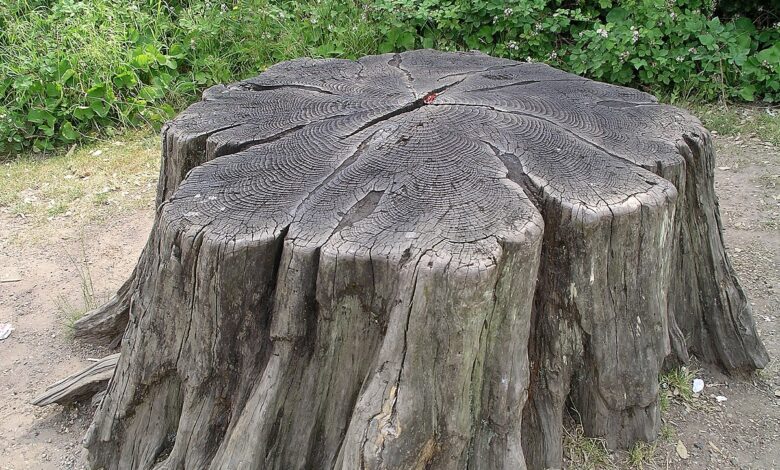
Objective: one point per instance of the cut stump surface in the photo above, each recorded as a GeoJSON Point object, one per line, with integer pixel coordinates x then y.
{"type": "Point", "coordinates": [416, 260]}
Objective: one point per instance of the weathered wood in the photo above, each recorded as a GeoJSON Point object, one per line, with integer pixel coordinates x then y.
{"type": "Point", "coordinates": [83, 384]}
{"type": "Point", "coordinates": [387, 263]}
{"type": "Point", "coordinates": [106, 324]}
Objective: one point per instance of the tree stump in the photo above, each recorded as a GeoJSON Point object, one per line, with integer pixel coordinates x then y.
{"type": "Point", "coordinates": [416, 260]}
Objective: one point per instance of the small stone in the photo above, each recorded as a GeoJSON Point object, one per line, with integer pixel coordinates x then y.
{"type": "Point", "coordinates": [777, 393]}
{"type": "Point", "coordinates": [698, 385]}
{"type": "Point", "coordinates": [682, 451]}
{"type": "Point", "coordinates": [5, 330]}
{"type": "Point", "coordinates": [720, 398]}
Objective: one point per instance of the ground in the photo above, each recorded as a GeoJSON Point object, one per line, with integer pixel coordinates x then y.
{"type": "Point", "coordinates": [72, 227]}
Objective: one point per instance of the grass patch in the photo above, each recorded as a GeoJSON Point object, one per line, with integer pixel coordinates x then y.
{"type": "Point", "coordinates": [586, 453]}
{"type": "Point", "coordinates": [678, 384]}
{"type": "Point", "coordinates": [742, 121]}
{"type": "Point", "coordinates": [667, 432]}
{"type": "Point", "coordinates": [85, 184]}
{"type": "Point", "coordinates": [641, 455]}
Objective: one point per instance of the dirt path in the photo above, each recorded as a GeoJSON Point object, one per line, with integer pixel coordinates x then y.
{"type": "Point", "coordinates": [40, 351]}
{"type": "Point", "coordinates": [742, 432]}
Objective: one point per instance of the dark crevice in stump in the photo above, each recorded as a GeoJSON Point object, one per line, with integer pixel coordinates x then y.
{"type": "Point", "coordinates": [415, 260]}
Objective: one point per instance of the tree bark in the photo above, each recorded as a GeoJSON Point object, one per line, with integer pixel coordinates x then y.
{"type": "Point", "coordinates": [417, 260]}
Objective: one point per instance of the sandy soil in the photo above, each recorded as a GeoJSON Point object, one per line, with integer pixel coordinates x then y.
{"type": "Point", "coordinates": [742, 432]}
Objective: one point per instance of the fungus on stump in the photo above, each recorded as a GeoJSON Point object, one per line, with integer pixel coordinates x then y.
{"type": "Point", "coordinates": [417, 260]}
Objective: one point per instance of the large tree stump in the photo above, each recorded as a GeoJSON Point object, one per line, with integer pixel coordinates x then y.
{"type": "Point", "coordinates": [417, 260]}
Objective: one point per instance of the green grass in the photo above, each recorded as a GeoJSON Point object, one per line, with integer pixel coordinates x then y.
{"type": "Point", "coordinates": [744, 121]}
{"type": "Point", "coordinates": [586, 453]}
{"type": "Point", "coordinates": [677, 384]}
{"type": "Point", "coordinates": [85, 185]}
{"type": "Point", "coordinates": [641, 455]}
{"type": "Point", "coordinates": [667, 432]}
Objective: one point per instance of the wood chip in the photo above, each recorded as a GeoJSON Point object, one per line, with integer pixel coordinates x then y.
{"type": "Point", "coordinates": [715, 448]}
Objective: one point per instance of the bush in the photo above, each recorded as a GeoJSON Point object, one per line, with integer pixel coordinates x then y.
{"type": "Point", "coordinates": [72, 68]}
{"type": "Point", "coordinates": [676, 48]}
{"type": "Point", "coordinates": [69, 68]}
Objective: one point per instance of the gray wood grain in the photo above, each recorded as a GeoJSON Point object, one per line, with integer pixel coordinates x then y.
{"type": "Point", "coordinates": [84, 383]}
{"type": "Point", "coordinates": [416, 260]}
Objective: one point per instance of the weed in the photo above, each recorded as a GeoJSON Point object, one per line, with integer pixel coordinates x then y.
{"type": "Point", "coordinates": [586, 453]}
{"type": "Point", "coordinates": [667, 432]}
{"type": "Point", "coordinates": [678, 384]}
{"type": "Point", "coordinates": [641, 454]}
{"type": "Point", "coordinates": [88, 301]}
{"type": "Point", "coordinates": [663, 400]}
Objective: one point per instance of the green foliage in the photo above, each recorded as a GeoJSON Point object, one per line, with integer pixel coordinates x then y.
{"type": "Point", "coordinates": [675, 48]}
{"type": "Point", "coordinates": [69, 68]}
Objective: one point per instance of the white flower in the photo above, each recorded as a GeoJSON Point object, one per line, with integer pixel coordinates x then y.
{"type": "Point", "coordinates": [634, 35]}
{"type": "Point", "coordinates": [692, 50]}
{"type": "Point", "coordinates": [679, 58]}
{"type": "Point", "coordinates": [529, 59]}
{"type": "Point", "coordinates": [512, 45]}
{"type": "Point", "coordinates": [508, 12]}
{"type": "Point", "coordinates": [553, 55]}
{"type": "Point", "coordinates": [672, 15]}
{"type": "Point", "coordinates": [313, 20]}
{"type": "Point", "coordinates": [623, 56]}
{"type": "Point", "coordinates": [602, 32]}
{"type": "Point", "coordinates": [537, 26]}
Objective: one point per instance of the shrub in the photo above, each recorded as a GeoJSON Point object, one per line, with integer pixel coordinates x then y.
{"type": "Point", "coordinates": [72, 68]}
{"type": "Point", "coordinates": [69, 68]}
{"type": "Point", "coordinates": [677, 48]}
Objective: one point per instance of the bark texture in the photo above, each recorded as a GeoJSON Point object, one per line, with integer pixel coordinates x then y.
{"type": "Point", "coordinates": [416, 260]}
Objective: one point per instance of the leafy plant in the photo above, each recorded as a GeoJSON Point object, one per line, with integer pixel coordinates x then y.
{"type": "Point", "coordinates": [70, 69]}
{"type": "Point", "coordinates": [676, 48]}
{"type": "Point", "coordinates": [73, 69]}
